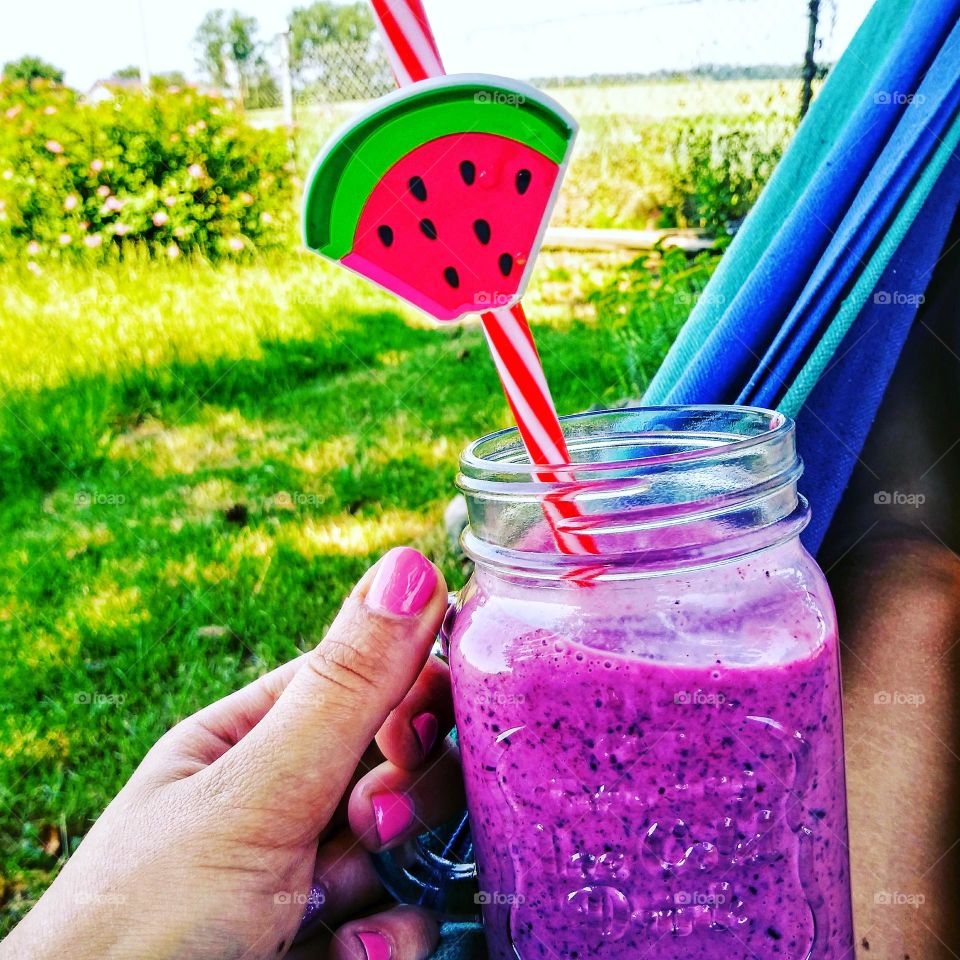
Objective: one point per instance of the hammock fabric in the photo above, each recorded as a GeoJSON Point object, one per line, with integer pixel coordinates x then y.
{"type": "Point", "coordinates": [813, 301]}
{"type": "Point", "coordinates": [811, 304]}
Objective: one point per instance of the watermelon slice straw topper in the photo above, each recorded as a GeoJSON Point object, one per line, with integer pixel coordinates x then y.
{"type": "Point", "coordinates": [441, 192]}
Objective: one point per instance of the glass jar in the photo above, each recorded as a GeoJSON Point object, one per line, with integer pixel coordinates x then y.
{"type": "Point", "coordinates": [651, 734]}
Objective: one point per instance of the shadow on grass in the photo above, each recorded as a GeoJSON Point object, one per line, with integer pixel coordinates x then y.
{"type": "Point", "coordinates": [51, 434]}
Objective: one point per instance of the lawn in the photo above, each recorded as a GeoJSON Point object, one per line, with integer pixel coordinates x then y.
{"type": "Point", "coordinates": [200, 461]}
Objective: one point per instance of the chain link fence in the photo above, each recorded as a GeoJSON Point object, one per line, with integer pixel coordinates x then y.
{"type": "Point", "coordinates": [680, 148]}
{"type": "Point", "coordinates": [344, 72]}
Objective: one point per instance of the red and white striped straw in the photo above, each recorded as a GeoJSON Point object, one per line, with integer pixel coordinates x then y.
{"type": "Point", "coordinates": [410, 44]}
{"type": "Point", "coordinates": [414, 56]}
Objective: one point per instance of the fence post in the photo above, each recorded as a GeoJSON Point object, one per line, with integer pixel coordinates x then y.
{"type": "Point", "coordinates": [809, 60]}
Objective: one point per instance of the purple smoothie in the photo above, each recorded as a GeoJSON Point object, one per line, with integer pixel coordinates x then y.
{"type": "Point", "coordinates": [654, 768]}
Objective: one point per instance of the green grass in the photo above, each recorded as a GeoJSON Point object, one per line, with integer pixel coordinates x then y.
{"type": "Point", "coordinates": [199, 462]}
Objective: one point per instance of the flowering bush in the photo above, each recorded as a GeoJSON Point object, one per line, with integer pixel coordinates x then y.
{"type": "Point", "coordinates": [175, 171]}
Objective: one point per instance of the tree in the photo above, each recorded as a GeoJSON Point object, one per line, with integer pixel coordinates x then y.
{"type": "Point", "coordinates": [322, 23]}
{"type": "Point", "coordinates": [228, 39]}
{"type": "Point", "coordinates": [126, 73]}
{"type": "Point", "coordinates": [31, 68]}
{"type": "Point", "coordinates": [168, 78]}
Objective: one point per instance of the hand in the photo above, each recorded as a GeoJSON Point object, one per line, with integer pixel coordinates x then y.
{"type": "Point", "coordinates": [259, 809]}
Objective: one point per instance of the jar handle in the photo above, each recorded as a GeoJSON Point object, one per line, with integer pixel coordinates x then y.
{"type": "Point", "coordinates": [436, 870]}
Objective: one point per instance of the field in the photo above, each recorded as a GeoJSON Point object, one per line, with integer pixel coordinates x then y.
{"type": "Point", "coordinates": [199, 459]}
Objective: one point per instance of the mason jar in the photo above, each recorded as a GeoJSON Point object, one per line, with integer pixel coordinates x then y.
{"type": "Point", "coordinates": [650, 721]}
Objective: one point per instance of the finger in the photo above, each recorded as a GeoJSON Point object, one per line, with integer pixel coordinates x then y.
{"type": "Point", "coordinates": [390, 804]}
{"type": "Point", "coordinates": [308, 745]}
{"type": "Point", "coordinates": [403, 933]}
{"type": "Point", "coordinates": [423, 718]}
{"type": "Point", "coordinates": [344, 883]}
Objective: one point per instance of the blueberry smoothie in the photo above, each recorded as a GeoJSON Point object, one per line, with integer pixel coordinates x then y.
{"type": "Point", "coordinates": [654, 767]}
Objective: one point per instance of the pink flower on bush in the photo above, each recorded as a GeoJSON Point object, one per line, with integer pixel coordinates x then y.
{"type": "Point", "coordinates": [7, 174]}
{"type": "Point", "coordinates": [33, 268]}
{"type": "Point", "coordinates": [121, 229]}
{"type": "Point", "coordinates": [64, 239]}
{"type": "Point", "coordinates": [195, 170]}
{"type": "Point", "coordinates": [50, 110]}
{"type": "Point", "coordinates": [54, 146]}
{"type": "Point", "coordinates": [179, 232]}
{"type": "Point", "coordinates": [160, 218]}
{"type": "Point", "coordinates": [191, 130]}
{"type": "Point", "coordinates": [84, 225]}
{"type": "Point", "coordinates": [13, 111]}
{"type": "Point", "coordinates": [33, 248]}
{"type": "Point", "coordinates": [93, 241]}
{"type": "Point", "coordinates": [170, 201]}
{"type": "Point", "coordinates": [266, 217]}
{"type": "Point", "coordinates": [70, 202]}
{"type": "Point", "coordinates": [235, 244]}
{"type": "Point", "coordinates": [113, 205]}
{"type": "Point", "coordinates": [246, 198]}
{"type": "Point", "coordinates": [173, 251]}
{"type": "Point", "coordinates": [103, 190]}
{"type": "Point", "coordinates": [96, 166]}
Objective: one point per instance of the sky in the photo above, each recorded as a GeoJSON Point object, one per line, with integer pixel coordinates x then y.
{"type": "Point", "coordinates": [89, 39]}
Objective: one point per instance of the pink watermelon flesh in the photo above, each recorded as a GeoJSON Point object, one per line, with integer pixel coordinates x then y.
{"type": "Point", "coordinates": [452, 225]}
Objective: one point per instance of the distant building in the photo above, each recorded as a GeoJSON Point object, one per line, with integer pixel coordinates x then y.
{"type": "Point", "coordinates": [109, 88]}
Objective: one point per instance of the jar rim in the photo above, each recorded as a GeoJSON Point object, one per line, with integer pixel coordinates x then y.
{"type": "Point", "coordinates": [650, 488]}
{"type": "Point", "coordinates": [474, 464]}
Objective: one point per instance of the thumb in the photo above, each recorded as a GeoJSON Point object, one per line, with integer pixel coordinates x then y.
{"type": "Point", "coordinates": [307, 747]}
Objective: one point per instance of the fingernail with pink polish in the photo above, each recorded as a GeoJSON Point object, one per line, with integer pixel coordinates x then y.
{"type": "Point", "coordinates": [375, 945]}
{"type": "Point", "coordinates": [404, 583]}
{"type": "Point", "coordinates": [425, 727]}
{"type": "Point", "coordinates": [392, 813]}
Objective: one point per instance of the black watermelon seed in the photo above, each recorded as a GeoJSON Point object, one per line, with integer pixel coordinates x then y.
{"type": "Point", "coordinates": [429, 229]}
{"type": "Point", "coordinates": [452, 277]}
{"type": "Point", "coordinates": [418, 188]}
{"type": "Point", "coordinates": [482, 229]}
{"type": "Point", "coordinates": [506, 264]}
{"type": "Point", "coordinates": [468, 171]}
{"type": "Point", "coordinates": [523, 180]}
{"type": "Point", "coordinates": [385, 234]}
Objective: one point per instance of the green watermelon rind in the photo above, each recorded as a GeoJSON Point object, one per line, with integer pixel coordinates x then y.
{"type": "Point", "coordinates": [361, 153]}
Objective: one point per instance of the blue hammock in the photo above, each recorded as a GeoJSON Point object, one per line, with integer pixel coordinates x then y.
{"type": "Point", "coordinates": [811, 305]}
